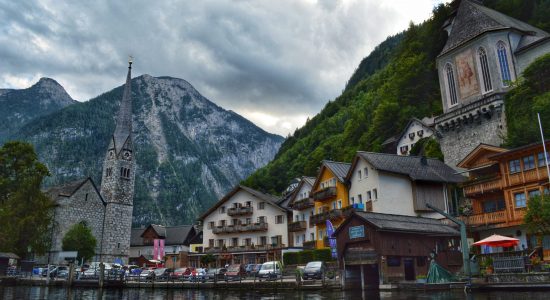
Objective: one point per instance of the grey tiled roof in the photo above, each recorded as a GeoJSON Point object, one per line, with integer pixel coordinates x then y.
{"type": "Point", "coordinates": [389, 222]}
{"type": "Point", "coordinates": [263, 196]}
{"type": "Point", "coordinates": [65, 189]}
{"type": "Point", "coordinates": [309, 180]}
{"type": "Point", "coordinates": [412, 166]}
{"type": "Point", "coordinates": [173, 235]}
{"type": "Point", "coordinates": [473, 19]}
{"type": "Point", "coordinates": [339, 169]}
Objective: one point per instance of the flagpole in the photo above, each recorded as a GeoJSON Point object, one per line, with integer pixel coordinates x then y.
{"type": "Point", "coordinates": [544, 147]}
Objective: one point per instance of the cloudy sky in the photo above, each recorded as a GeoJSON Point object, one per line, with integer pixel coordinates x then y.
{"type": "Point", "coordinates": [275, 62]}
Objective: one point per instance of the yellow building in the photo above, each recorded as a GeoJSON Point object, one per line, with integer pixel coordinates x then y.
{"type": "Point", "coordinates": [330, 194]}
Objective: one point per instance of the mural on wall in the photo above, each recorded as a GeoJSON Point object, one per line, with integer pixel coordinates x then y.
{"type": "Point", "coordinates": [467, 80]}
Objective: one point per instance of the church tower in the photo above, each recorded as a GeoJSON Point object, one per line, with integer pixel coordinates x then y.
{"type": "Point", "coordinates": [117, 184]}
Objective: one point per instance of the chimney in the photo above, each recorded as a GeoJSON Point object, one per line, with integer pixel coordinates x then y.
{"type": "Point", "coordinates": [423, 160]}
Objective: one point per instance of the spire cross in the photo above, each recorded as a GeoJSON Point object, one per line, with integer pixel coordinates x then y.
{"type": "Point", "coordinates": [130, 60]}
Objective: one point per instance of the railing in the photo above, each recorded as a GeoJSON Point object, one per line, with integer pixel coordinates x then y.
{"type": "Point", "coordinates": [297, 226]}
{"type": "Point", "coordinates": [240, 228]}
{"type": "Point", "coordinates": [346, 211]}
{"type": "Point", "coordinates": [527, 176]}
{"type": "Point", "coordinates": [240, 211]}
{"type": "Point", "coordinates": [486, 218]}
{"type": "Point", "coordinates": [303, 204]}
{"type": "Point", "coordinates": [309, 245]}
{"type": "Point", "coordinates": [324, 193]}
{"type": "Point", "coordinates": [484, 186]}
{"type": "Point", "coordinates": [328, 215]}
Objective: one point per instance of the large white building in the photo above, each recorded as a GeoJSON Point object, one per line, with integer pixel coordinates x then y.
{"type": "Point", "coordinates": [245, 226]}
{"type": "Point", "coordinates": [402, 185]}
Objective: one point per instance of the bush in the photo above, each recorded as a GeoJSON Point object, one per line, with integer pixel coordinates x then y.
{"type": "Point", "coordinates": [306, 256]}
{"type": "Point", "coordinates": [322, 255]}
{"type": "Point", "coordinates": [291, 258]}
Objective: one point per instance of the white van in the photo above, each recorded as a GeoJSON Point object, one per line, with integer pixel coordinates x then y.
{"type": "Point", "coordinates": [270, 270]}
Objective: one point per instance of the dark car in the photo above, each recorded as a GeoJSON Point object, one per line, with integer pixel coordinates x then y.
{"type": "Point", "coordinates": [314, 270]}
{"type": "Point", "coordinates": [215, 274]}
{"type": "Point", "coordinates": [162, 273]}
{"type": "Point", "coordinates": [235, 272]}
{"type": "Point", "coordinates": [255, 269]}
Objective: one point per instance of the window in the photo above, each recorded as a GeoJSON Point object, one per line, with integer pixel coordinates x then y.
{"type": "Point", "coordinates": [333, 205]}
{"type": "Point", "coordinates": [248, 221]}
{"type": "Point", "coordinates": [211, 243]}
{"type": "Point", "coordinates": [451, 86]}
{"type": "Point", "coordinates": [339, 204]}
{"type": "Point", "coordinates": [529, 162]}
{"type": "Point", "coordinates": [369, 196]}
{"type": "Point", "coordinates": [541, 159]}
{"type": "Point", "coordinates": [247, 241]}
{"type": "Point", "coordinates": [404, 149]}
{"type": "Point", "coordinates": [297, 218]}
{"type": "Point", "coordinates": [514, 166]}
{"type": "Point", "coordinates": [222, 210]}
{"type": "Point", "coordinates": [490, 206]}
{"type": "Point", "coordinates": [393, 261]}
{"type": "Point", "coordinates": [520, 200]}
{"type": "Point", "coordinates": [359, 174]}
{"type": "Point", "coordinates": [484, 70]}
{"type": "Point", "coordinates": [279, 219]}
{"type": "Point", "coordinates": [234, 222]}
{"type": "Point", "coordinates": [420, 133]}
{"type": "Point", "coordinates": [261, 219]}
{"type": "Point", "coordinates": [248, 203]}
{"type": "Point", "coordinates": [360, 198]}
{"type": "Point", "coordinates": [320, 234]}
{"type": "Point", "coordinates": [263, 240]}
{"type": "Point", "coordinates": [261, 205]}
{"type": "Point", "coordinates": [534, 193]}
{"type": "Point", "coordinates": [222, 223]}
{"type": "Point", "coordinates": [503, 63]}
{"type": "Point", "coordinates": [352, 200]}
{"type": "Point", "coordinates": [312, 236]}
{"type": "Point", "coordinates": [221, 243]}
{"type": "Point", "coordinates": [108, 172]}
{"type": "Point", "coordinates": [235, 242]}
{"type": "Point", "coordinates": [366, 172]}
{"type": "Point", "coordinates": [375, 194]}
{"type": "Point", "coordinates": [210, 225]}
{"type": "Point", "coordinates": [86, 197]}
{"type": "Point", "coordinates": [124, 172]}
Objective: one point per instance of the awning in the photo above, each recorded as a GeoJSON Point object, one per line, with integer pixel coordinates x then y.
{"type": "Point", "coordinates": [496, 240]}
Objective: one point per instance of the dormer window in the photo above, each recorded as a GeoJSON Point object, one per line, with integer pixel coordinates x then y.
{"type": "Point", "coordinates": [420, 133]}
{"type": "Point", "coordinates": [411, 135]}
{"type": "Point", "coordinates": [404, 149]}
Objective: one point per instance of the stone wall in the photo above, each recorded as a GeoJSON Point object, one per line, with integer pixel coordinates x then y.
{"type": "Point", "coordinates": [85, 205]}
{"type": "Point", "coordinates": [118, 227]}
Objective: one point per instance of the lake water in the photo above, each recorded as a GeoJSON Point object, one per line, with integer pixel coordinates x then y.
{"type": "Point", "coordinates": [34, 293]}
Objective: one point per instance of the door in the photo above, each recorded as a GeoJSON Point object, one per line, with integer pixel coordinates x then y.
{"type": "Point", "coordinates": [409, 269]}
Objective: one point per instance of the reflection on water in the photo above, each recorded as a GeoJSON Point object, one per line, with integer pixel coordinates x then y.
{"type": "Point", "coordinates": [35, 293]}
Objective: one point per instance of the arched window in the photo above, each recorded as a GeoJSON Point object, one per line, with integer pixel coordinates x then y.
{"type": "Point", "coordinates": [484, 68]}
{"type": "Point", "coordinates": [451, 86]}
{"type": "Point", "coordinates": [503, 63]}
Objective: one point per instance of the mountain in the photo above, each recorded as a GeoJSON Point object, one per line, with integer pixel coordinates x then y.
{"type": "Point", "coordinates": [189, 151]}
{"type": "Point", "coordinates": [397, 81]}
{"type": "Point", "coordinates": [21, 106]}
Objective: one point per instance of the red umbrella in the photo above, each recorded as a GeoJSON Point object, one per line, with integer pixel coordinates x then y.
{"type": "Point", "coordinates": [496, 240]}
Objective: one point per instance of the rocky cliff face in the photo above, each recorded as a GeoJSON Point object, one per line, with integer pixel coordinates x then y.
{"type": "Point", "coordinates": [189, 151]}
{"type": "Point", "coordinates": [18, 107]}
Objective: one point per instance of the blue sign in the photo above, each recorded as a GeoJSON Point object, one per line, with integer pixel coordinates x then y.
{"type": "Point", "coordinates": [356, 232]}
{"type": "Point", "coordinates": [331, 239]}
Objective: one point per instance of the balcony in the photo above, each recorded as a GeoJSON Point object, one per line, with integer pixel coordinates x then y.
{"type": "Point", "coordinates": [240, 211]}
{"type": "Point", "coordinates": [309, 245]}
{"type": "Point", "coordinates": [328, 215]}
{"type": "Point", "coordinates": [240, 228]}
{"type": "Point", "coordinates": [303, 204]}
{"type": "Point", "coordinates": [297, 226]}
{"type": "Point", "coordinates": [324, 194]}
{"type": "Point", "coordinates": [479, 187]}
{"type": "Point", "coordinates": [244, 248]}
{"type": "Point", "coordinates": [486, 218]}
{"type": "Point", "coordinates": [527, 176]}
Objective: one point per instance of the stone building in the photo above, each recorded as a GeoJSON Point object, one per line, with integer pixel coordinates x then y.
{"type": "Point", "coordinates": [485, 52]}
{"type": "Point", "coordinates": [106, 211]}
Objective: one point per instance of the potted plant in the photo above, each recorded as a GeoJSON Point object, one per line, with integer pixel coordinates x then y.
{"type": "Point", "coordinates": [421, 278]}
{"type": "Point", "coordinates": [488, 265]}
{"type": "Point", "coordinates": [536, 263]}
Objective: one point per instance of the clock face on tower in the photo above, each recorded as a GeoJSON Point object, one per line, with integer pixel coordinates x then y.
{"type": "Point", "coordinates": [127, 155]}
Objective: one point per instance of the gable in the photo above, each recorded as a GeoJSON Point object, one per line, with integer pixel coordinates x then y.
{"type": "Point", "coordinates": [480, 157]}
{"type": "Point", "coordinates": [324, 174]}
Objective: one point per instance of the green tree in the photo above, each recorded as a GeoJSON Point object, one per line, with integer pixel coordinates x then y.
{"type": "Point", "coordinates": [207, 259]}
{"type": "Point", "coordinates": [537, 216]}
{"type": "Point", "coordinates": [80, 238]}
{"type": "Point", "coordinates": [428, 147]}
{"type": "Point", "coordinates": [25, 212]}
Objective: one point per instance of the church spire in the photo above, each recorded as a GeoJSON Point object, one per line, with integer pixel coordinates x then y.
{"type": "Point", "coordinates": [124, 119]}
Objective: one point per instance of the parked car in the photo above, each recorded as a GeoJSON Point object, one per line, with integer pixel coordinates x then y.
{"type": "Point", "coordinates": [198, 275]}
{"type": "Point", "coordinates": [215, 274]}
{"type": "Point", "coordinates": [62, 272]}
{"type": "Point", "coordinates": [314, 270]}
{"type": "Point", "coordinates": [147, 275]}
{"type": "Point", "coordinates": [249, 268]}
{"type": "Point", "coordinates": [162, 273]}
{"type": "Point", "coordinates": [178, 273]}
{"type": "Point", "coordinates": [187, 274]}
{"type": "Point", "coordinates": [270, 270]}
{"type": "Point", "coordinates": [255, 270]}
{"type": "Point", "coordinates": [235, 272]}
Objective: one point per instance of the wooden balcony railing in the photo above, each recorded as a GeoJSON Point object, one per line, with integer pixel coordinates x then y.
{"type": "Point", "coordinates": [303, 204]}
{"type": "Point", "coordinates": [482, 186]}
{"type": "Point", "coordinates": [297, 226]}
{"type": "Point", "coordinates": [527, 176]}
{"type": "Point", "coordinates": [486, 218]}
{"type": "Point", "coordinates": [309, 244]}
{"type": "Point", "coordinates": [240, 211]}
{"type": "Point", "coordinates": [240, 228]}
{"type": "Point", "coordinates": [324, 194]}
{"type": "Point", "coordinates": [328, 215]}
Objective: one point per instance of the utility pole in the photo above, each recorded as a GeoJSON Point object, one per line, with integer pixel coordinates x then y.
{"type": "Point", "coordinates": [463, 239]}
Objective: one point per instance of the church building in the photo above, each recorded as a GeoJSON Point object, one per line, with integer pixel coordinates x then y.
{"type": "Point", "coordinates": [107, 211]}
{"type": "Point", "coordinates": [485, 52]}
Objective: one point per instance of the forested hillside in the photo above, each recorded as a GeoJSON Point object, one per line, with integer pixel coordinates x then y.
{"type": "Point", "coordinates": [395, 82]}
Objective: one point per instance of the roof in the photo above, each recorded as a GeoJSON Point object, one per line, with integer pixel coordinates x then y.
{"type": "Point", "coordinates": [474, 155]}
{"type": "Point", "coordinates": [173, 235]}
{"type": "Point", "coordinates": [415, 167]}
{"type": "Point", "coordinates": [339, 169]}
{"type": "Point", "coordinates": [411, 121]}
{"type": "Point", "coordinates": [69, 188]}
{"type": "Point", "coordinates": [262, 196]}
{"type": "Point", "coordinates": [9, 255]}
{"type": "Point", "coordinates": [513, 152]}
{"type": "Point", "coordinates": [304, 180]}
{"type": "Point", "coordinates": [400, 223]}
{"type": "Point", "coordinates": [473, 19]}
{"type": "Point", "coordinates": [123, 128]}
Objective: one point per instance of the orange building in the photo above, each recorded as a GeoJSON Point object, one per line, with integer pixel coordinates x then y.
{"type": "Point", "coordinates": [501, 183]}
{"type": "Point", "coordinates": [330, 194]}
